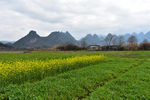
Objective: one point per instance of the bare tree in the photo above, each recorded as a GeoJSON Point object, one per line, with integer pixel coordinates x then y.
{"type": "Point", "coordinates": [132, 43]}
{"type": "Point", "coordinates": [83, 43]}
{"type": "Point", "coordinates": [145, 45]}
{"type": "Point", "coordinates": [132, 40]}
{"type": "Point", "coordinates": [118, 40]}
{"type": "Point", "coordinates": [108, 39]}
{"type": "Point", "coordinates": [121, 40]}
{"type": "Point", "coordinates": [145, 41]}
{"type": "Point", "coordinates": [115, 40]}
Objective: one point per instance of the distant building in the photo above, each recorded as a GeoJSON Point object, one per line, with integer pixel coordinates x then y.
{"type": "Point", "coordinates": [94, 47]}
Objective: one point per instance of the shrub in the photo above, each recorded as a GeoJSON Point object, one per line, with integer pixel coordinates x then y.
{"type": "Point", "coordinates": [131, 46]}
{"type": "Point", "coordinates": [69, 47]}
{"type": "Point", "coordinates": [144, 46]}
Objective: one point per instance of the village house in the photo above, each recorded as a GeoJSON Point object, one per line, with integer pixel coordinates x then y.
{"type": "Point", "coordinates": [94, 47]}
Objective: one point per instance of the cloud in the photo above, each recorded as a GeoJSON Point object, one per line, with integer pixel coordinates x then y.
{"type": "Point", "coordinates": [80, 17]}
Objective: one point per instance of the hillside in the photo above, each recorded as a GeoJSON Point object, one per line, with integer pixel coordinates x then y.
{"type": "Point", "coordinates": [5, 46]}
{"type": "Point", "coordinates": [33, 40]}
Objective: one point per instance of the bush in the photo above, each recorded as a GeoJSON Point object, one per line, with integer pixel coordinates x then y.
{"type": "Point", "coordinates": [131, 46]}
{"type": "Point", "coordinates": [112, 48]}
{"type": "Point", "coordinates": [69, 47]}
{"type": "Point", "coordinates": [144, 46]}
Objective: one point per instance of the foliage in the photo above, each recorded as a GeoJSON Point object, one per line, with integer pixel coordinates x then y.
{"type": "Point", "coordinates": [132, 47]}
{"type": "Point", "coordinates": [144, 46]}
{"type": "Point", "coordinates": [69, 47]}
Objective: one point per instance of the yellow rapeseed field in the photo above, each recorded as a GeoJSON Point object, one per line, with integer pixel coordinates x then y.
{"type": "Point", "coordinates": [20, 71]}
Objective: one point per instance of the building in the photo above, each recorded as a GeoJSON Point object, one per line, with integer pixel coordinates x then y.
{"type": "Point", "coordinates": [94, 47]}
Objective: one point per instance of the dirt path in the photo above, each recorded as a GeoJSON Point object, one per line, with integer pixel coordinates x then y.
{"type": "Point", "coordinates": [9, 52]}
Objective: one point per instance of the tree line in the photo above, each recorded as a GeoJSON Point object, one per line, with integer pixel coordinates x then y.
{"type": "Point", "coordinates": [113, 42]}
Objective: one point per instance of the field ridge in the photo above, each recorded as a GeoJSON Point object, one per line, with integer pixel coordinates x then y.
{"type": "Point", "coordinates": [112, 78]}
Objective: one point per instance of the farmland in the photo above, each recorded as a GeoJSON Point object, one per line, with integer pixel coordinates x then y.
{"type": "Point", "coordinates": [75, 75]}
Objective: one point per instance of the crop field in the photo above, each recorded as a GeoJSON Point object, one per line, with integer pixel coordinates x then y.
{"type": "Point", "coordinates": [75, 75]}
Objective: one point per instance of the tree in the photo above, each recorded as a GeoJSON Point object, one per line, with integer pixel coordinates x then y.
{"type": "Point", "coordinates": [132, 40]}
{"type": "Point", "coordinates": [83, 43]}
{"type": "Point", "coordinates": [145, 45]}
{"type": "Point", "coordinates": [115, 40]}
{"type": "Point", "coordinates": [118, 40]}
{"type": "Point", "coordinates": [121, 40]}
{"type": "Point", "coordinates": [145, 41]}
{"type": "Point", "coordinates": [132, 43]}
{"type": "Point", "coordinates": [108, 39]}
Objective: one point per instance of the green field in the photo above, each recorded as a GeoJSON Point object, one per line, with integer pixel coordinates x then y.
{"type": "Point", "coordinates": [75, 75]}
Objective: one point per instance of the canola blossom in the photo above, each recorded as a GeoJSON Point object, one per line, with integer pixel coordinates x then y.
{"type": "Point", "coordinates": [21, 71]}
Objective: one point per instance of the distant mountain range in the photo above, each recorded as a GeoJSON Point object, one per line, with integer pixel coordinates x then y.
{"type": "Point", "coordinates": [99, 40]}
{"type": "Point", "coordinates": [140, 36]}
{"type": "Point", "coordinates": [92, 40]}
{"type": "Point", "coordinates": [5, 46]}
{"type": "Point", "coordinates": [7, 42]}
{"type": "Point", "coordinates": [33, 40]}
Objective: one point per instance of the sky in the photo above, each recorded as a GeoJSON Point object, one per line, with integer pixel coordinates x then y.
{"type": "Point", "coordinates": [79, 17]}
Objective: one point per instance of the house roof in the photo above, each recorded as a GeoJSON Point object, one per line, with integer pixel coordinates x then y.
{"type": "Point", "coordinates": [94, 45]}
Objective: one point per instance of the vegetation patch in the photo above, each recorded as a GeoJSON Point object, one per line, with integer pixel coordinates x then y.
{"type": "Point", "coordinates": [75, 75]}
{"type": "Point", "coordinates": [133, 85]}
{"type": "Point", "coordinates": [20, 71]}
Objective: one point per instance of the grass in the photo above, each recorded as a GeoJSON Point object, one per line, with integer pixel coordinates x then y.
{"type": "Point", "coordinates": [122, 75]}
{"type": "Point", "coordinates": [133, 85]}
{"type": "Point", "coordinates": [34, 56]}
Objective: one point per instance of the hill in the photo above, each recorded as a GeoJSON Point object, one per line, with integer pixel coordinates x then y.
{"type": "Point", "coordinates": [33, 40]}
{"type": "Point", "coordinates": [5, 46]}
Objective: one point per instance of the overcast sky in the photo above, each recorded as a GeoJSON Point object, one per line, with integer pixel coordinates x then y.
{"type": "Point", "coordinates": [79, 17]}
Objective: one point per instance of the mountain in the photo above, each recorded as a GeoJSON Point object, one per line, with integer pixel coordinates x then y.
{"type": "Point", "coordinates": [7, 42]}
{"type": "Point", "coordinates": [5, 46]}
{"type": "Point", "coordinates": [60, 38]}
{"type": "Point", "coordinates": [140, 36]}
{"type": "Point", "coordinates": [33, 40]}
{"type": "Point", "coordinates": [92, 40]}
{"type": "Point", "coordinates": [98, 40]}
{"type": "Point", "coordinates": [147, 36]}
